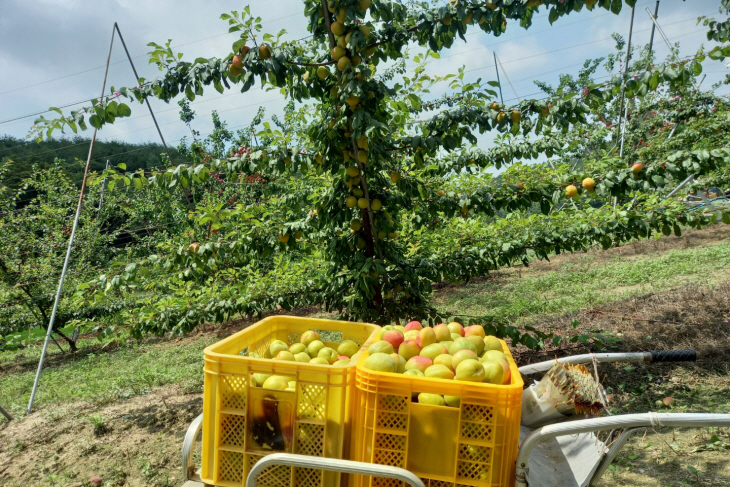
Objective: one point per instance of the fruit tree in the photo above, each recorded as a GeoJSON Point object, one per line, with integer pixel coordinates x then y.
{"type": "Point", "coordinates": [366, 202]}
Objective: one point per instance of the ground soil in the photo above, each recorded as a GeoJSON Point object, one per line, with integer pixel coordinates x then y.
{"type": "Point", "coordinates": [137, 441]}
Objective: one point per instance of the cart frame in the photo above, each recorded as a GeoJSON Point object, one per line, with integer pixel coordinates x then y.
{"type": "Point", "coordinates": [630, 423]}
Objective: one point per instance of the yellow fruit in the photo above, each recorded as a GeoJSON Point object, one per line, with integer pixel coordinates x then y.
{"type": "Point", "coordinates": [431, 399]}
{"type": "Point", "coordinates": [491, 6]}
{"type": "Point", "coordinates": [516, 116]}
{"type": "Point", "coordinates": [338, 52]}
{"type": "Point", "coordinates": [536, 3]}
{"type": "Point", "coordinates": [369, 51]}
{"type": "Point", "coordinates": [346, 156]}
{"type": "Point", "coordinates": [494, 106]}
{"type": "Point", "coordinates": [322, 72]}
{"type": "Point", "coordinates": [376, 205]}
{"type": "Point", "coordinates": [362, 156]}
{"type": "Point", "coordinates": [500, 117]}
{"type": "Point", "coordinates": [395, 176]}
{"type": "Point", "coordinates": [351, 201]}
{"type": "Point", "coordinates": [363, 5]}
{"type": "Point", "coordinates": [363, 203]}
{"type": "Point", "coordinates": [298, 235]}
{"type": "Point", "coordinates": [353, 100]}
{"type": "Point", "coordinates": [337, 28]}
{"type": "Point", "coordinates": [588, 184]}
{"type": "Point", "coordinates": [352, 171]}
{"type": "Point", "coordinates": [356, 225]}
{"type": "Point", "coordinates": [264, 52]}
{"type": "Point", "coordinates": [355, 60]}
{"type": "Point", "coordinates": [341, 15]}
{"type": "Point", "coordinates": [283, 238]}
{"type": "Point", "coordinates": [362, 142]}
{"type": "Point", "coordinates": [382, 362]}
{"type": "Point", "coordinates": [360, 243]}
{"type": "Point", "coordinates": [365, 31]}
{"type": "Point", "coordinates": [276, 382]}
{"type": "Point", "coordinates": [331, 6]}
{"type": "Point", "coordinates": [235, 71]}
{"type": "Point", "coordinates": [464, 209]}
{"type": "Point", "coordinates": [446, 20]}
{"type": "Point", "coordinates": [287, 160]}
{"type": "Point", "coordinates": [331, 124]}
{"type": "Point", "coordinates": [343, 63]}
{"type": "Point", "coordinates": [491, 342]}
{"type": "Point", "coordinates": [467, 19]}
{"type": "Point", "coordinates": [571, 191]}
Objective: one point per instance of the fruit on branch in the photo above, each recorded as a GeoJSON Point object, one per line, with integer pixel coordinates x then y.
{"type": "Point", "coordinates": [264, 52]}
{"type": "Point", "coordinates": [353, 100]}
{"type": "Point", "coordinates": [376, 205]}
{"type": "Point", "coordinates": [446, 20]}
{"type": "Point", "coordinates": [395, 176]}
{"type": "Point", "coordinates": [500, 117]}
{"type": "Point", "coordinates": [441, 192]}
{"type": "Point", "coordinates": [520, 187]}
{"type": "Point", "coordinates": [353, 171]}
{"type": "Point", "coordinates": [357, 192]}
{"type": "Point", "coordinates": [237, 61]}
{"type": "Point", "coordinates": [363, 203]}
{"type": "Point", "coordinates": [355, 60]}
{"type": "Point", "coordinates": [283, 237]}
{"type": "Point", "coordinates": [491, 6]}
{"type": "Point", "coordinates": [494, 106]}
{"type": "Point", "coordinates": [341, 15]}
{"type": "Point", "coordinates": [362, 156]}
{"type": "Point", "coordinates": [351, 201]}
{"type": "Point", "coordinates": [356, 225]}
{"type": "Point", "coordinates": [546, 111]}
{"type": "Point", "coordinates": [363, 5]}
{"type": "Point", "coordinates": [362, 142]}
{"type": "Point", "coordinates": [571, 191]}
{"type": "Point", "coordinates": [365, 31]}
{"type": "Point", "coordinates": [536, 3]}
{"type": "Point", "coordinates": [306, 78]}
{"type": "Point", "coordinates": [516, 116]}
{"type": "Point", "coordinates": [343, 63]}
{"type": "Point", "coordinates": [318, 158]}
{"type": "Point", "coordinates": [337, 53]}
{"type": "Point", "coordinates": [322, 72]}
{"type": "Point", "coordinates": [637, 168]}
{"type": "Point", "coordinates": [589, 184]}
{"type": "Point", "coordinates": [337, 28]}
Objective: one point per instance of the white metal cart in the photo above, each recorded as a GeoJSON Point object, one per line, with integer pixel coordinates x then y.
{"type": "Point", "coordinates": [564, 454]}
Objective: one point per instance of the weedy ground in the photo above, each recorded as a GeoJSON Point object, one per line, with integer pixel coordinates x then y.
{"type": "Point", "coordinates": [121, 412]}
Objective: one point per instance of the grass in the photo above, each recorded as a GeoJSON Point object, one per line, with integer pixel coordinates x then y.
{"type": "Point", "coordinates": [101, 378]}
{"type": "Point", "coordinates": [585, 282]}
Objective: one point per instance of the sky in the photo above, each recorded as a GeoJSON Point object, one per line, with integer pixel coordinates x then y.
{"type": "Point", "coordinates": [52, 53]}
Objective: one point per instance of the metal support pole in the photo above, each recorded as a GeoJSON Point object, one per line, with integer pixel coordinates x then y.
{"type": "Point", "coordinates": [6, 414]}
{"type": "Point", "coordinates": [101, 196]}
{"type": "Point", "coordinates": [661, 32]}
{"type": "Point", "coordinates": [496, 68]}
{"type": "Point", "coordinates": [70, 242]}
{"type": "Point", "coordinates": [626, 71]}
{"type": "Point", "coordinates": [506, 76]}
{"type": "Point", "coordinates": [653, 26]}
{"type": "Point", "coordinates": [149, 107]}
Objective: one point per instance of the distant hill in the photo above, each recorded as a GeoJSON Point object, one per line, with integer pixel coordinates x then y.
{"type": "Point", "coordinates": [26, 153]}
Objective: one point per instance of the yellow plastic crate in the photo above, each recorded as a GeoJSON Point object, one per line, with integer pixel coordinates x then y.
{"type": "Point", "coordinates": [473, 445]}
{"type": "Point", "coordinates": [242, 423]}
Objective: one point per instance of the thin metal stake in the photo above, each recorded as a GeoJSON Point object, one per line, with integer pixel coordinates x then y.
{"type": "Point", "coordinates": [626, 71]}
{"type": "Point", "coordinates": [101, 196]}
{"type": "Point", "coordinates": [653, 26]}
{"type": "Point", "coordinates": [506, 76]}
{"type": "Point", "coordinates": [6, 414]}
{"type": "Point", "coordinates": [496, 68]}
{"type": "Point", "coordinates": [70, 243]}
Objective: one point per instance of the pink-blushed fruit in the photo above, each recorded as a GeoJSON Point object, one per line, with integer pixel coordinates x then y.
{"type": "Point", "coordinates": [442, 332]}
{"type": "Point", "coordinates": [492, 343]}
{"type": "Point", "coordinates": [384, 330]}
{"type": "Point", "coordinates": [308, 337]}
{"type": "Point", "coordinates": [501, 359]}
{"type": "Point", "coordinates": [434, 350]}
{"type": "Point", "coordinates": [400, 363]}
{"type": "Point", "coordinates": [394, 337]}
{"type": "Point", "coordinates": [444, 359]}
{"type": "Point", "coordinates": [470, 370]}
{"type": "Point", "coordinates": [474, 330]}
{"type": "Point", "coordinates": [419, 362]}
{"type": "Point", "coordinates": [462, 355]}
{"type": "Point", "coordinates": [426, 337]}
{"type": "Point", "coordinates": [285, 355]}
{"type": "Point", "coordinates": [414, 325]}
{"type": "Point", "coordinates": [95, 482]}
{"type": "Point", "coordinates": [328, 354]}
{"type": "Point", "coordinates": [381, 346]}
{"type": "Point", "coordinates": [409, 349]}
{"type": "Point", "coordinates": [462, 343]}
{"type": "Point", "coordinates": [381, 362]}
{"type": "Point", "coordinates": [668, 401]}
{"type": "Point", "coordinates": [343, 357]}
{"type": "Point", "coordinates": [455, 327]}
{"type": "Point", "coordinates": [438, 371]}
{"type": "Point", "coordinates": [493, 372]}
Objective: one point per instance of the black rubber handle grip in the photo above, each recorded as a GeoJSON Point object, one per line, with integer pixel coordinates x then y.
{"type": "Point", "coordinates": [673, 355]}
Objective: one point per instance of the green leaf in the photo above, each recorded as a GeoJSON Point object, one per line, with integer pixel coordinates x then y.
{"type": "Point", "coordinates": [554, 15]}
{"type": "Point", "coordinates": [95, 121]}
{"type": "Point", "coordinates": [123, 110]}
